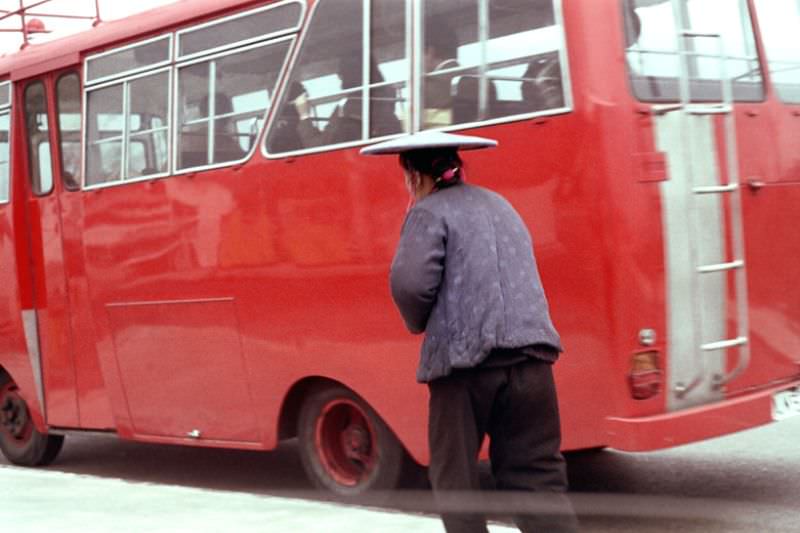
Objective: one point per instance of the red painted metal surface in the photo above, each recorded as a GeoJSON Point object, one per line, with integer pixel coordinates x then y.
{"type": "Point", "coordinates": [693, 425]}
{"type": "Point", "coordinates": [198, 301]}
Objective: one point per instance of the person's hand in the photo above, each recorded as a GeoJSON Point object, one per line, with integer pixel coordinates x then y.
{"type": "Point", "coordinates": [302, 106]}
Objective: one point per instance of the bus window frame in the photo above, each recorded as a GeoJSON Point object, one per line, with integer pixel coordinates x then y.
{"type": "Point", "coordinates": [169, 36]}
{"type": "Point", "coordinates": [290, 31]}
{"type": "Point", "coordinates": [414, 19]}
{"type": "Point", "coordinates": [291, 39]}
{"type": "Point", "coordinates": [169, 69]}
{"type": "Point", "coordinates": [5, 109]}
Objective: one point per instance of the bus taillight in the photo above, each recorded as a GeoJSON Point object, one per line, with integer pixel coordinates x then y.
{"type": "Point", "coordinates": [645, 376]}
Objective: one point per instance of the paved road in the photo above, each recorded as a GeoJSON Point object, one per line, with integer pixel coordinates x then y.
{"type": "Point", "coordinates": [744, 482]}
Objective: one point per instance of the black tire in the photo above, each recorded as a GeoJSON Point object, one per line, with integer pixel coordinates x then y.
{"type": "Point", "coordinates": [344, 445]}
{"type": "Point", "coordinates": [20, 441]}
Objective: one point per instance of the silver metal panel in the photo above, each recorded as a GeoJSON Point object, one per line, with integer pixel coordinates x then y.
{"type": "Point", "coordinates": [30, 325]}
{"type": "Point", "coordinates": [693, 236]}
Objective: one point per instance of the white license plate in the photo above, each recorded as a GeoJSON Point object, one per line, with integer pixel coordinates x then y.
{"type": "Point", "coordinates": [786, 404]}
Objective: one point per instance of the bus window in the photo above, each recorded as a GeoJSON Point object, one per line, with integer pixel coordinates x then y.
{"type": "Point", "coordinates": [41, 172]}
{"type": "Point", "coordinates": [223, 101]}
{"type": "Point", "coordinates": [780, 24]}
{"type": "Point", "coordinates": [129, 59]}
{"type": "Point", "coordinates": [68, 96]}
{"type": "Point", "coordinates": [123, 117]}
{"type": "Point", "coordinates": [388, 72]}
{"type": "Point", "coordinates": [509, 65]}
{"type": "Point", "coordinates": [104, 125]}
{"type": "Point", "coordinates": [324, 103]}
{"type": "Point", "coordinates": [653, 53]}
{"type": "Point", "coordinates": [149, 101]}
{"type": "Point", "coordinates": [5, 128]}
{"type": "Point", "coordinates": [240, 29]}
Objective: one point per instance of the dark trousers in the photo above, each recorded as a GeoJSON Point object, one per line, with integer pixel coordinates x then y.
{"type": "Point", "coordinates": [516, 405]}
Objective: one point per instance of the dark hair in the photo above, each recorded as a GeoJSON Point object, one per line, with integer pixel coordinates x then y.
{"type": "Point", "coordinates": [442, 164]}
{"type": "Point", "coordinates": [440, 38]}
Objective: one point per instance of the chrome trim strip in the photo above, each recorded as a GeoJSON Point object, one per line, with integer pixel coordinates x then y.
{"type": "Point", "coordinates": [417, 66]}
{"type": "Point", "coordinates": [168, 302]}
{"type": "Point", "coordinates": [563, 56]}
{"type": "Point", "coordinates": [30, 325]}
{"type": "Point", "coordinates": [366, 69]}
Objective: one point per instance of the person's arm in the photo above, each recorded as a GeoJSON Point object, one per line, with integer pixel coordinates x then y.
{"type": "Point", "coordinates": [417, 268]}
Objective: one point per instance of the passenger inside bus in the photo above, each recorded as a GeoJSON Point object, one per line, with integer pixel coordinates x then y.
{"type": "Point", "coordinates": [298, 126]}
{"type": "Point", "coordinates": [543, 87]}
{"type": "Point", "coordinates": [226, 147]}
{"type": "Point", "coordinates": [441, 50]}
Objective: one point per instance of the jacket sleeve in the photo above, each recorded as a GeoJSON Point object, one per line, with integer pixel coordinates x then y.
{"type": "Point", "coordinates": [417, 267]}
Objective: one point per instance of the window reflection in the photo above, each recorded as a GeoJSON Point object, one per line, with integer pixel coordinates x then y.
{"type": "Point", "coordinates": [41, 172]}
{"type": "Point", "coordinates": [324, 103]}
{"type": "Point", "coordinates": [68, 95]}
{"type": "Point", "coordinates": [780, 24]}
{"type": "Point", "coordinates": [128, 125]}
{"type": "Point", "coordinates": [223, 102]}
{"type": "Point", "coordinates": [485, 60]}
{"type": "Point", "coordinates": [653, 49]}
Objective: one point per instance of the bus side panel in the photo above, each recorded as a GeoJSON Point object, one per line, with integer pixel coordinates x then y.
{"type": "Point", "coordinates": [16, 301]}
{"type": "Point", "coordinates": [93, 401]}
{"type": "Point", "coordinates": [13, 353]}
{"type": "Point", "coordinates": [772, 243]}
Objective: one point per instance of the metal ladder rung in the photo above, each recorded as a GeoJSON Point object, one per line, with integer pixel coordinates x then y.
{"type": "Point", "coordinates": [720, 267]}
{"type": "Point", "coordinates": [713, 189]}
{"type": "Point", "coordinates": [692, 33]}
{"type": "Point", "coordinates": [721, 345]}
{"type": "Point", "coordinates": [711, 109]}
{"type": "Point", "coordinates": [663, 109]}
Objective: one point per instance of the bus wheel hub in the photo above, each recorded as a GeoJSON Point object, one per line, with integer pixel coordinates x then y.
{"type": "Point", "coordinates": [13, 415]}
{"type": "Point", "coordinates": [355, 442]}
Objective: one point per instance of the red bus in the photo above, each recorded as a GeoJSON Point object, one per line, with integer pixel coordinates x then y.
{"type": "Point", "coordinates": [194, 253]}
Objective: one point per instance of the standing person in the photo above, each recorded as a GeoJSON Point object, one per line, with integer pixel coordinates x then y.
{"type": "Point", "coordinates": [465, 275]}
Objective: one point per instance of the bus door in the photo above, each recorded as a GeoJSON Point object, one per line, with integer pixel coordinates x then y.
{"type": "Point", "coordinates": [62, 324]}
{"type": "Point", "coordinates": [49, 324]}
{"type": "Point", "coordinates": [705, 268]}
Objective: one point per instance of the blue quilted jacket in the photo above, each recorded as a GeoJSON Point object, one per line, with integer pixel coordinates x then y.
{"type": "Point", "coordinates": [464, 274]}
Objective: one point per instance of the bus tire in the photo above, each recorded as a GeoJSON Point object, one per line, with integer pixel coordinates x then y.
{"type": "Point", "coordinates": [344, 445]}
{"type": "Point", "coordinates": [20, 441]}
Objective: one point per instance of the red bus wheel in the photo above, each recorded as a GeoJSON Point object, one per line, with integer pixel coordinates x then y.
{"type": "Point", "coordinates": [345, 447]}
{"type": "Point", "coordinates": [20, 441]}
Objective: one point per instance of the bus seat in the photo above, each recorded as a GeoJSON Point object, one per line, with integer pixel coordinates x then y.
{"type": "Point", "coordinates": [466, 101]}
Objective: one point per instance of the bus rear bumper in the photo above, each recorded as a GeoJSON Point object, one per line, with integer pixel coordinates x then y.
{"type": "Point", "coordinates": [695, 424]}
